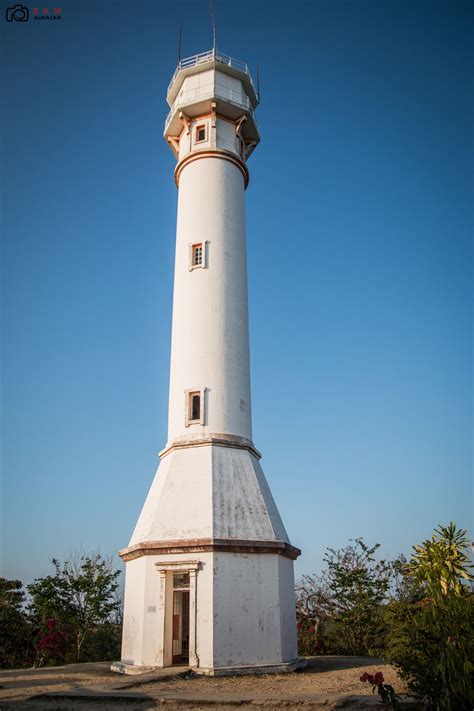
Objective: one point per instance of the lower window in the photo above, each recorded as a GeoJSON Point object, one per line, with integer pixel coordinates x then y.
{"type": "Point", "coordinates": [195, 407]}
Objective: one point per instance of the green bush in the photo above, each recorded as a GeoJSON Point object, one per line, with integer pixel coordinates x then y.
{"type": "Point", "coordinates": [344, 605]}
{"type": "Point", "coordinates": [431, 639]}
{"type": "Point", "coordinates": [16, 645]}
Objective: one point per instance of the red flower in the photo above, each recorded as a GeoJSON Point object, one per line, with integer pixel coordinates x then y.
{"type": "Point", "coordinates": [374, 679]}
{"type": "Point", "coordinates": [378, 678]}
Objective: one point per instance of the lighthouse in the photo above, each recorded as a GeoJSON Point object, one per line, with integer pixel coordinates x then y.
{"type": "Point", "coordinates": [209, 567]}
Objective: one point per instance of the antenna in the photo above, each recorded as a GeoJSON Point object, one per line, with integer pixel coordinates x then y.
{"type": "Point", "coordinates": [179, 46]}
{"type": "Point", "coordinates": [213, 26]}
{"type": "Point", "coordinates": [258, 85]}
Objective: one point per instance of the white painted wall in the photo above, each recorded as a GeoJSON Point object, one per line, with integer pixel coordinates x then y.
{"type": "Point", "coordinates": [179, 503]}
{"type": "Point", "coordinates": [210, 346]}
{"type": "Point", "coordinates": [244, 613]}
{"type": "Point", "coordinates": [226, 137]}
{"type": "Point", "coordinates": [209, 83]}
{"type": "Point", "coordinates": [248, 605]}
{"type": "Point", "coordinates": [229, 87]}
{"type": "Point", "coordinates": [286, 581]}
{"type": "Point", "coordinates": [209, 492]}
{"type": "Point", "coordinates": [134, 596]}
{"type": "Point", "coordinates": [144, 613]}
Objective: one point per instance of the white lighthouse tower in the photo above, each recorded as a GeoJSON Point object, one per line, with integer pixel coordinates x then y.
{"type": "Point", "coordinates": [209, 567]}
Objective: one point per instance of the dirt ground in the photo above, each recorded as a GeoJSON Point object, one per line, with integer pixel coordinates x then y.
{"type": "Point", "coordinates": [327, 682]}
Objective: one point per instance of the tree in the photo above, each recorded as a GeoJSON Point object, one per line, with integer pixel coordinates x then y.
{"type": "Point", "coordinates": [431, 639]}
{"type": "Point", "coordinates": [343, 604]}
{"type": "Point", "coordinates": [16, 647]}
{"type": "Point", "coordinates": [81, 596]}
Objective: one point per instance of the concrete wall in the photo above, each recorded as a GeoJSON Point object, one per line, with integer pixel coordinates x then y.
{"type": "Point", "coordinates": [244, 610]}
{"type": "Point", "coordinates": [179, 502]}
{"type": "Point", "coordinates": [210, 83]}
{"type": "Point", "coordinates": [209, 492]}
{"type": "Point", "coordinates": [250, 592]}
{"type": "Point", "coordinates": [210, 347]}
{"type": "Point", "coordinates": [226, 137]}
{"type": "Point", "coordinates": [132, 635]}
{"type": "Point", "coordinates": [286, 582]}
{"type": "Point", "coordinates": [145, 641]}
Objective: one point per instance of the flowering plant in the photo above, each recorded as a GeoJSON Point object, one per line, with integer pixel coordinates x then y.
{"type": "Point", "coordinates": [385, 691]}
{"type": "Point", "coordinates": [52, 645]}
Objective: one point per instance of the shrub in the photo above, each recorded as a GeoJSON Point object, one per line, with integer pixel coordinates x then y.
{"type": "Point", "coordinates": [431, 635]}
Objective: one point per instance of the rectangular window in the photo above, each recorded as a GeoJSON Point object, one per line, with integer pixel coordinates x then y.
{"type": "Point", "coordinates": [197, 255]}
{"type": "Point", "coordinates": [200, 133]}
{"type": "Point", "coordinates": [180, 580]}
{"type": "Point", "coordinates": [194, 407]}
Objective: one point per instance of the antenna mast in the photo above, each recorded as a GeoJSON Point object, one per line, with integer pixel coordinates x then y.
{"type": "Point", "coordinates": [213, 27]}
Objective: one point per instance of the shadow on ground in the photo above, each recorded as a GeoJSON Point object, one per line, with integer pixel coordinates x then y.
{"type": "Point", "coordinates": [333, 663]}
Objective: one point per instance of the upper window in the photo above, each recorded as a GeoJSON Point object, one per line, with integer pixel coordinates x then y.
{"type": "Point", "coordinates": [200, 133]}
{"type": "Point", "coordinates": [197, 255]}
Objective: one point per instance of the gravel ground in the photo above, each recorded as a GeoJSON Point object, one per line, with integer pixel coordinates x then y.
{"type": "Point", "coordinates": [322, 683]}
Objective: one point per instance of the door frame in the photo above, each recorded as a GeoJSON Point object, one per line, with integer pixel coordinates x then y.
{"type": "Point", "coordinates": [165, 607]}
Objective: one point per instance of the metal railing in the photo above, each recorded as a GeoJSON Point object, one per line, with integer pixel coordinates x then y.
{"type": "Point", "coordinates": [211, 55]}
{"type": "Point", "coordinates": [203, 92]}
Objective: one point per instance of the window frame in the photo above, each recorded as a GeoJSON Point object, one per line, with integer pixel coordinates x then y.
{"type": "Point", "coordinates": [188, 406]}
{"type": "Point", "coordinates": [197, 128]}
{"type": "Point", "coordinates": [192, 246]}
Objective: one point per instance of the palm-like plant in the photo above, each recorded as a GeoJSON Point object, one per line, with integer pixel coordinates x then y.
{"type": "Point", "coordinates": [441, 562]}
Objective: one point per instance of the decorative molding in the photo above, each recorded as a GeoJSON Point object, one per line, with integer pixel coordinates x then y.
{"type": "Point", "coordinates": [219, 440]}
{"type": "Point", "coordinates": [249, 145]}
{"type": "Point", "coordinates": [178, 565]}
{"type": "Point", "coordinates": [174, 142]}
{"type": "Point", "coordinates": [221, 153]}
{"type": "Point", "coordinates": [185, 120]}
{"type": "Point", "coordinates": [238, 125]}
{"type": "Point", "coordinates": [209, 545]}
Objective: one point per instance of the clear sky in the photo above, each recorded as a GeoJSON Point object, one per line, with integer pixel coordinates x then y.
{"type": "Point", "coordinates": [359, 223]}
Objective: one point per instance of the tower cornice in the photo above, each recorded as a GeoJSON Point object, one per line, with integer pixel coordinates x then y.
{"type": "Point", "coordinates": [209, 545]}
{"type": "Point", "coordinates": [220, 153]}
{"type": "Point", "coordinates": [219, 440]}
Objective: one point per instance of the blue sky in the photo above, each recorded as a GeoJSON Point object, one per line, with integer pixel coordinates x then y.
{"type": "Point", "coordinates": [359, 223]}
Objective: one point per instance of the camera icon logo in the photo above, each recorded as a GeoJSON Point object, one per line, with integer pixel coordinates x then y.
{"type": "Point", "coordinates": [19, 13]}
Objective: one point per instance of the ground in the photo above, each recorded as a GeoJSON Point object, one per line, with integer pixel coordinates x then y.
{"type": "Point", "coordinates": [327, 682]}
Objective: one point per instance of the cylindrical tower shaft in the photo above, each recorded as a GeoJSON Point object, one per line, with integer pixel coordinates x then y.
{"type": "Point", "coordinates": [210, 345]}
